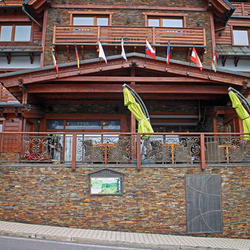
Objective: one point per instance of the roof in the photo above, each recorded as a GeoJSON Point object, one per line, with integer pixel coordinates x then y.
{"type": "Point", "coordinates": [229, 50]}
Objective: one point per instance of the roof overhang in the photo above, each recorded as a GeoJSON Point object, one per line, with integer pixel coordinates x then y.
{"type": "Point", "coordinates": [100, 83]}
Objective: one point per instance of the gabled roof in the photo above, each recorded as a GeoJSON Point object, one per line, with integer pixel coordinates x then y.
{"type": "Point", "coordinates": [97, 81]}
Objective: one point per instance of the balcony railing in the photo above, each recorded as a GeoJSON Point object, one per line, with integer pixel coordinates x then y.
{"type": "Point", "coordinates": [183, 149]}
{"type": "Point", "coordinates": [131, 35]}
{"type": "Point", "coordinates": [242, 9]}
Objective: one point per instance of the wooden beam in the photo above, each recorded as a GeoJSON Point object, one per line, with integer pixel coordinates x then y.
{"type": "Point", "coordinates": [117, 88]}
{"type": "Point", "coordinates": [129, 79]}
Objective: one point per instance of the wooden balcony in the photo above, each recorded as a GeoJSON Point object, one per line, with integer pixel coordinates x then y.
{"type": "Point", "coordinates": [242, 9]}
{"type": "Point", "coordinates": [133, 36]}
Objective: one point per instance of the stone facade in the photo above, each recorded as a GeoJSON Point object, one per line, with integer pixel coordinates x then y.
{"type": "Point", "coordinates": [137, 19]}
{"type": "Point", "coordinates": [153, 200]}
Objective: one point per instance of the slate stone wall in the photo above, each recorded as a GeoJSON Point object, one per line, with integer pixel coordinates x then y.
{"type": "Point", "coordinates": [119, 17]}
{"type": "Point", "coordinates": [153, 200]}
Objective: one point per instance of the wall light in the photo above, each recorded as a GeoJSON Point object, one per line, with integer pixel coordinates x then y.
{"type": "Point", "coordinates": [198, 23]}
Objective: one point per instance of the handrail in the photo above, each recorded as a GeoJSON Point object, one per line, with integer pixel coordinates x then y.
{"type": "Point", "coordinates": [170, 149]}
{"type": "Point", "coordinates": [242, 9]}
{"type": "Point", "coordinates": [130, 35]}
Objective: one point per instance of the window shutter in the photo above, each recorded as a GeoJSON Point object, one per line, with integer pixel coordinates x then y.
{"type": "Point", "coordinates": [203, 203]}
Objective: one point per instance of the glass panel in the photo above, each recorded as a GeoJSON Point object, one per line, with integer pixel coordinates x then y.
{"type": "Point", "coordinates": [240, 37]}
{"type": "Point", "coordinates": [171, 22]}
{"type": "Point", "coordinates": [102, 21]}
{"type": "Point", "coordinates": [111, 125]}
{"type": "Point", "coordinates": [22, 33]}
{"type": "Point", "coordinates": [153, 22]}
{"type": "Point", "coordinates": [112, 139]}
{"type": "Point", "coordinates": [83, 124]}
{"type": "Point", "coordinates": [1, 127]}
{"type": "Point", "coordinates": [87, 21]}
{"type": "Point", "coordinates": [6, 32]}
{"type": "Point", "coordinates": [54, 124]}
{"type": "Point", "coordinates": [68, 148]}
{"type": "Point", "coordinates": [105, 185]}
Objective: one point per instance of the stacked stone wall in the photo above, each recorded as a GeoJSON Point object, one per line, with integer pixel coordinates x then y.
{"type": "Point", "coordinates": [137, 19]}
{"type": "Point", "coordinates": [153, 200]}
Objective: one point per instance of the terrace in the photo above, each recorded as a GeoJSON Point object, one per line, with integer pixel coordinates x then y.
{"type": "Point", "coordinates": [106, 149]}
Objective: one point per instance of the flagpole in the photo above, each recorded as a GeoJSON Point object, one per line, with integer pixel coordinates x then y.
{"type": "Point", "coordinates": [189, 63]}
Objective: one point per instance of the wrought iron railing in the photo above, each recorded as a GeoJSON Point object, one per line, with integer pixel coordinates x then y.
{"type": "Point", "coordinates": [127, 148]}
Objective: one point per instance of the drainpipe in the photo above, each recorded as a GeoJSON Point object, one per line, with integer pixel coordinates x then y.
{"type": "Point", "coordinates": [24, 4]}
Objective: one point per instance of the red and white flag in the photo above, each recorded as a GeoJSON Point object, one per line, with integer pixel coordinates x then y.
{"type": "Point", "coordinates": [101, 53]}
{"type": "Point", "coordinates": [214, 62]}
{"type": "Point", "coordinates": [54, 61]}
{"type": "Point", "coordinates": [195, 58]}
{"type": "Point", "coordinates": [149, 50]}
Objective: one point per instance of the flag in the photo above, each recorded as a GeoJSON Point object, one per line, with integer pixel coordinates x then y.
{"type": "Point", "coordinates": [123, 51]}
{"type": "Point", "coordinates": [54, 60]}
{"type": "Point", "coordinates": [168, 54]}
{"type": "Point", "coordinates": [195, 58]}
{"type": "Point", "coordinates": [214, 62]}
{"type": "Point", "coordinates": [77, 57]}
{"type": "Point", "coordinates": [101, 53]}
{"type": "Point", "coordinates": [149, 50]}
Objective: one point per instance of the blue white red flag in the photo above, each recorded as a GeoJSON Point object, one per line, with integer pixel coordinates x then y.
{"type": "Point", "coordinates": [149, 50]}
{"type": "Point", "coordinates": [168, 54]}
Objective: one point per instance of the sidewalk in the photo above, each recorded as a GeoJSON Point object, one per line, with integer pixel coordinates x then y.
{"type": "Point", "coordinates": [155, 241]}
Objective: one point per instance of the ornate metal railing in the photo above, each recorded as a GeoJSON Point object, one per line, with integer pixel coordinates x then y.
{"type": "Point", "coordinates": [170, 149]}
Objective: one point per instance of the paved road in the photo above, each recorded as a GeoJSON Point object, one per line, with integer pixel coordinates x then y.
{"type": "Point", "coordinates": [17, 243]}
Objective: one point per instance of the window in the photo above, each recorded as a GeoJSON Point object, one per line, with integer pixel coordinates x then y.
{"type": "Point", "coordinates": [165, 22]}
{"type": "Point", "coordinates": [241, 36]}
{"type": "Point", "coordinates": [168, 20]}
{"type": "Point", "coordinates": [90, 20]}
{"type": "Point", "coordinates": [91, 125]}
{"type": "Point", "coordinates": [15, 32]}
{"type": "Point", "coordinates": [85, 18]}
{"type": "Point", "coordinates": [106, 182]}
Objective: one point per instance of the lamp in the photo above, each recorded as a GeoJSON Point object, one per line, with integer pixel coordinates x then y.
{"type": "Point", "coordinates": [128, 20]}
{"type": "Point", "coordinates": [58, 19]}
{"type": "Point", "coordinates": [198, 23]}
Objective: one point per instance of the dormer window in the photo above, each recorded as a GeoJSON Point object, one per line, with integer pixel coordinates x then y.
{"type": "Point", "coordinates": [17, 33]}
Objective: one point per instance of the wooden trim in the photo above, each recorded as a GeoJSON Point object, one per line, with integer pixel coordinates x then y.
{"type": "Point", "coordinates": [212, 32]}
{"type": "Point", "coordinates": [32, 32]}
{"type": "Point", "coordinates": [164, 14]}
{"type": "Point", "coordinates": [45, 16]}
{"type": "Point", "coordinates": [160, 15]}
{"type": "Point", "coordinates": [121, 117]}
{"type": "Point", "coordinates": [90, 13]}
{"type": "Point", "coordinates": [117, 6]}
